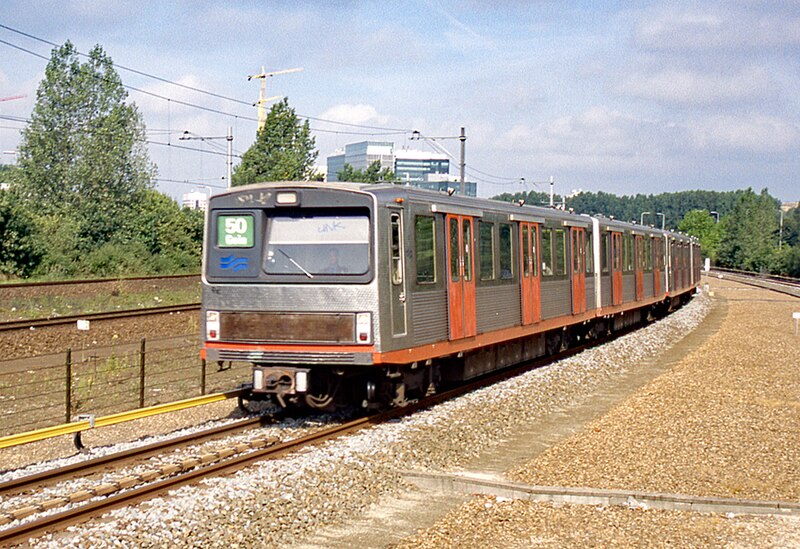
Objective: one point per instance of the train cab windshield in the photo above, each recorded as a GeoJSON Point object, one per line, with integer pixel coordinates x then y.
{"type": "Point", "coordinates": [317, 245]}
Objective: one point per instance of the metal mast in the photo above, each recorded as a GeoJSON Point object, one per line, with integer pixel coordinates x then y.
{"type": "Point", "coordinates": [262, 96]}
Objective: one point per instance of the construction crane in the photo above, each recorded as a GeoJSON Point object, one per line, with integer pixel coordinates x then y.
{"type": "Point", "coordinates": [13, 97]}
{"type": "Point", "coordinates": [262, 97]}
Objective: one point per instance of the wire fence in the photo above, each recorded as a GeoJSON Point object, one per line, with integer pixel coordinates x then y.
{"type": "Point", "coordinates": [51, 389]}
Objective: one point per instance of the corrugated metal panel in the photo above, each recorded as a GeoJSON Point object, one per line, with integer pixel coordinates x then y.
{"type": "Point", "coordinates": [590, 297]}
{"type": "Point", "coordinates": [279, 298]}
{"type": "Point", "coordinates": [556, 298]}
{"type": "Point", "coordinates": [648, 284]}
{"type": "Point", "coordinates": [429, 316]}
{"type": "Point", "coordinates": [628, 287]}
{"type": "Point", "coordinates": [298, 298]}
{"type": "Point", "coordinates": [498, 307]}
{"type": "Point", "coordinates": [605, 291]}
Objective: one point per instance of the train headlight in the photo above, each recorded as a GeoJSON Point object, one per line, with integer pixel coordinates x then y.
{"type": "Point", "coordinates": [212, 325]}
{"type": "Point", "coordinates": [301, 382]}
{"type": "Point", "coordinates": [364, 328]}
{"type": "Point", "coordinates": [258, 379]}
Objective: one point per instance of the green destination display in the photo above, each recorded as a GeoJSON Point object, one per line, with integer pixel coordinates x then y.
{"type": "Point", "coordinates": [235, 231]}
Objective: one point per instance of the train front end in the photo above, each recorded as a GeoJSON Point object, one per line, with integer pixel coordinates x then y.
{"type": "Point", "coordinates": [289, 285]}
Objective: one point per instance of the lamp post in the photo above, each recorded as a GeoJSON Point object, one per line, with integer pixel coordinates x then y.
{"type": "Point", "coordinates": [663, 219]}
{"type": "Point", "coordinates": [462, 137]}
{"type": "Point", "coordinates": [228, 138]}
{"type": "Point", "coordinates": [715, 214]}
{"type": "Point", "coordinates": [641, 218]}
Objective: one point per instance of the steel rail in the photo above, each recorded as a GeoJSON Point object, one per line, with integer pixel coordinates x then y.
{"type": "Point", "coordinates": [110, 315]}
{"type": "Point", "coordinates": [91, 281]}
{"type": "Point", "coordinates": [82, 513]}
{"type": "Point", "coordinates": [81, 425]}
{"type": "Point", "coordinates": [86, 467]}
{"type": "Point", "coordinates": [762, 276]}
{"type": "Point", "coordinates": [23, 532]}
{"type": "Point", "coordinates": [781, 285]}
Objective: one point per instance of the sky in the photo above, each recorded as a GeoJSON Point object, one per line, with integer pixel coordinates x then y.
{"type": "Point", "coordinates": [620, 97]}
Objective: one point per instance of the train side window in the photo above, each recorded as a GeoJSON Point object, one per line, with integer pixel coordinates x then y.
{"type": "Point", "coordinates": [589, 253]}
{"type": "Point", "coordinates": [506, 252]}
{"type": "Point", "coordinates": [466, 230]}
{"type": "Point", "coordinates": [534, 244]}
{"type": "Point", "coordinates": [486, 250]}
{"type": "Point", "coordinates": [605, 249]}
{"type": "Point", "coordinates": [624, 253]}
{"type": "Point", "coordinates": [425, 247]}
{"type": "Point", "coordinates": [627, 253]}
{"type": "Point", "coordinates": [395, 232]}
{"type": "Point", "coordinates": [547, 252]}
{"type": "Point", "coordinates": [526, 254]}
{"type": "Point", "coordinates": [560, 259]}
{"type": "Point", "coordinates": [454, 255]}
{"type": "Point", "coordinates": [639, 246]}
{"type": "Point", "coordinates": [576, 256]}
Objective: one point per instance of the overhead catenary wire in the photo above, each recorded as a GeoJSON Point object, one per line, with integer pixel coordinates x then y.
{"type": "Point", "coordinates": [195, 182]}
{"type": "Point", "coordinates": [390, 131]}
{"type": "Point", "coordinates": [386, 130]}
{"type": "Point", "coordinates": [481, 176]}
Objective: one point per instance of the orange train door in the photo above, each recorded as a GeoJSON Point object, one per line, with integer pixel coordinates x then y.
{"type": "Point", "coordinates": [529, 237]}
{"type": "Point", "coordinates": [578, 245]}
{"type": "Point", "coordinates": [639, 266]}
{"type": "Point", "coordinates": [616, 268]}
{"type": "Point", "coordinates": [658, 251]}
{"type": "Point", "coordinates": [461, 277]}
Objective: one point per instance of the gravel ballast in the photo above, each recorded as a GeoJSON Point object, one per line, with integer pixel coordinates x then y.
{"type": "Point", "coordinates": [280, 502]}
{"type": "Point", "coordinates": [724, 421]}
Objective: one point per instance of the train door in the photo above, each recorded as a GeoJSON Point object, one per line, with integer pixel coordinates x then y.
{"type": "Point", "coordinates": [397, 270]}
{"type": "Point", "coordinates": [461, 277]}
{"type": "Point", "coordinates": [578, 245]}
{"type": "Point", "coordinates": [658, 251]}
{"type": "Point", "coordinates": [529, 237]}
{"type": "Point", "coordinates": [616, 268]}
{"type": "Point", "coordinates": [638, 254]}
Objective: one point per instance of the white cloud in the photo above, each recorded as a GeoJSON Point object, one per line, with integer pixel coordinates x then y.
{"type": "Point", "coordinates": [699, 88]}
{"type": "Point", "coordinates": [596, 139]}
{"type": "Point", "coordinates": [753, 133]}
{"type": "Point", "coordinates": [355, 114]}
{"type": "Point", "coordinates": [716, 28]}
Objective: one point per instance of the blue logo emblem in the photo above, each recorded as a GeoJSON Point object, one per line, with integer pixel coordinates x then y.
{"type": "Point", "coordinates": [233, 263]}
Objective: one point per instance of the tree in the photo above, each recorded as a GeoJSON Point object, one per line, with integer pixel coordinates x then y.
{"type": "Point", "coordinates": [172, 236]}
{"type": "Point", "coordinates": [791, 227]}
{"type": "Point", "coordinates": [373, 174]}
{"type": "Point", "coordinates": [18, 255]}
{"type": "Point", "coordinates": [283, 151]}
{"type": "Point", "coordinates": [703, 225]}
{"type": "Point", "coordinates": [83, 153]}
{"type": "Point", "coordinates": [750, 238]}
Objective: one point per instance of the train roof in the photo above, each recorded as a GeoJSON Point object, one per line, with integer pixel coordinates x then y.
{"type": "Point", "coordinates": [455, 203]}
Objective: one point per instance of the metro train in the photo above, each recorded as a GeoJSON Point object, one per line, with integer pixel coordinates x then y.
{"type": "Point", "coordinates": [376, 294]}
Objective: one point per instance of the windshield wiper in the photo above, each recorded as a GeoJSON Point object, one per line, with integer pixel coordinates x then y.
{"type": "Point", "coordinates": [295, 263]}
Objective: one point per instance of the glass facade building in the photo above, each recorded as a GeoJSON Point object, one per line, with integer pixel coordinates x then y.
{"type": "Point", "coordinates": [418, 168]}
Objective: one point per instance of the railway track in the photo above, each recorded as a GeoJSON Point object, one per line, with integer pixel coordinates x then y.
{"type": "Point", "coordinates": [220, 463]}
{"type": "Point", "coordinates": [111, 315]}
{"type": "Point", "coordinates": [781, 284]}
